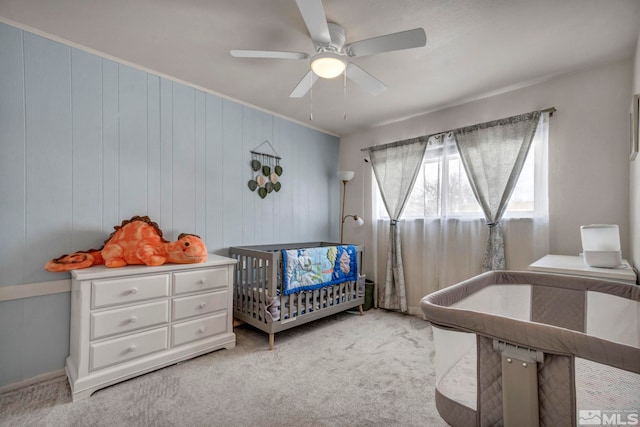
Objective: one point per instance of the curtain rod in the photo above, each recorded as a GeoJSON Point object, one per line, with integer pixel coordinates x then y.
{"type": "Point", "coordinates": [549, 110]}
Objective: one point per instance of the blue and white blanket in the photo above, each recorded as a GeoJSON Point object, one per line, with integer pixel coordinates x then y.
{"type": "Point", "coordinates": [313, 268]}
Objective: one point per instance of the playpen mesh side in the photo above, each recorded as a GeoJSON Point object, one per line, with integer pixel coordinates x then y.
{"type": "Point", "coordinates": [599, 386]}
{"type": "Point", "coordinates": [594, 312]}
{"type": "Point", "coordinates": [456, 352]}
{"type": "Point", "coordinates": [602, 387]}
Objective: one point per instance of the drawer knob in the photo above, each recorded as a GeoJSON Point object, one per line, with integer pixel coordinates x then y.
{"type": "Point", "coordinates": [202, 281]}
{"type": "Point", "coordinates": [132, 348]}
{"type": "Point", "coordinates": [201, 330]}
{"type": "Point", "coordinates": [133, 319]}
{"type": "Point", "coordinates": [133, 291]}
{"type": "Point", "coordinates": [202, 305]}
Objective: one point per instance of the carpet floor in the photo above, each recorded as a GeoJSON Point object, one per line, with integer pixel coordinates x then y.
{"type": "Point", "coordinates": [344, 370]}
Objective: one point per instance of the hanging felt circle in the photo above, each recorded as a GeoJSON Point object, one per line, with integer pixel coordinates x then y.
{"type": "Point", "coordinates": [278, 169]}
{"type": "Point", "coordinates": [277, 186]}
{"type": "Point", "coordinates": [266, 170]}
{"type": "Point", "coordinates": [255, 165]}
{"type": "Point", "coordinates": [261, 180]}
{"type": "Point", "coordinates": [252, 185]}
{"type": "Point", "coordinates": [262, 192]}
{"type": "Point", "coordinates": [269, 187]}
{"type": "Point", "coordinates": [273, 178]}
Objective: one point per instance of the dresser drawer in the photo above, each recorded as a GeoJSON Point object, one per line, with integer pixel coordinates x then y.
{"type": "Point", "coordinates": [128, 319]}
{"type": "Point", "coordinates": [200, 328]}
{"type": "Point", "coordinates": [126, 348]}
{"type": "Point", "coordinates": [199, 304]}
{"type": "Point", "coordinates": [199, 280]}
{"type": "Point", "coordinates": [132, 289]}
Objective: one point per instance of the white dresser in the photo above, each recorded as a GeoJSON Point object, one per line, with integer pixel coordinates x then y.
{"type": "Point", "coordinates": [131, 320]}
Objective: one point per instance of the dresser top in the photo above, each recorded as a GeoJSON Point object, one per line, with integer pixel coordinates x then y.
{"type": "Point", "coordinates": [100, 271]}
{"type": "Point", "coordinates": [575, 265]}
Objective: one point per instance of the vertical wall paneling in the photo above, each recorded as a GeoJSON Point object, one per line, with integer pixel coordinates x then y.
{"type": "Point", "coordinates": [110, 147]}
{"type": "Point", "coordinates": [316, 195]}
{"type": "Point", "coordinates": [330, 190]}
{"type": "Point", "coordinates": [133, 142]}
{"type": "Point", "coordinates": [200, 165]}
{"type": "Point", "coordinates": [232, 173]}
{"type": "Point", "coordinates": [153, 147]}
{"type": "Point", "coordinates": [12, 196]}
{"type": "Point", "coordinates": [49, 153]}
{"type": "Point", "coordinates": [12, 157]}
{"type": "Point", "coordinates": [184, 160]}
{"type": "Point", "coordinates": [267, 220]}
{"type": "Point", "coordinates": [333, 189]}
{"type": "Point", "coordinates": [86, 102]}
{"type": "Point", "coordinates": [320, 201]}
{"type": "Point", "coordinates": [285, 212]}
{"type": "Point", "coordinates": [46, 324]}
{"type": "Point", "coordinates": [86, 142]}
{"type": "Point", "coordinates": [303, 187]}
{"type": "Point", "coordinates": [166, 155]}
{"type": "Point", "coordinates": [277, 201]}
{"type": "Point", "coordinates": [11, 333]}
{"type": "Point", "coordinates": [251, 206]}
{"type": "Point", "coordinates": [213, 175]}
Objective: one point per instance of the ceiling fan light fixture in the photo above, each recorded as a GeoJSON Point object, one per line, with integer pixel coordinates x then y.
{"type": "Point", "coordinates": [328, 65]}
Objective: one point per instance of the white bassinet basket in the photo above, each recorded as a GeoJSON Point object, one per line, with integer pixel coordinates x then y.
{"type": "Point", "coordinates": [534, 349]}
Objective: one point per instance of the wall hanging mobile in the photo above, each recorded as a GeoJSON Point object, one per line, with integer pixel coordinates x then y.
{"type": "Point", "coordinates": [268, 169]}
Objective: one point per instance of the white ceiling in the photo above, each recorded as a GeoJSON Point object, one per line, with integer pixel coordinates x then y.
{"type": "Point", "coordinates": [474, 47]}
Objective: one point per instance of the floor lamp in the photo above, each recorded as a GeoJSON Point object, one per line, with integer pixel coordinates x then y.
{"type": "Point", "coordinates": [346, 176]}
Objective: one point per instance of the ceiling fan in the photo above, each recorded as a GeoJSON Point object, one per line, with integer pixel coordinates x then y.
{"type": "Point", "coordinates": [329, 60]}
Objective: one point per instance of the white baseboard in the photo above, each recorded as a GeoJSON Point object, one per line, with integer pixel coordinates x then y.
{"type": "Point", "coordinates": [44, 377]}
{"type": "Point", "coordinates": [28, 290]}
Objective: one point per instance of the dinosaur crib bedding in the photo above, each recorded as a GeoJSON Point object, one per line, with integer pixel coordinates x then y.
{"type": "Point", "coordinates": [277, 287]}
{"type": "Point", "coordinates": [313, 268]}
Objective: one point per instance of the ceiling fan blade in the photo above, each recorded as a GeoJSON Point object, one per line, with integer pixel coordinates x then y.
{"type": "Point", "coordinates": [367, 81]}
{"type": "Point", "coordinates": [396, 41]}
{"type": "Point", "coordinates": [272, 54]}
{"type": "Point", "coordinates": [305, 85]}
{"type": "Point", "coordinates": [314, 18]}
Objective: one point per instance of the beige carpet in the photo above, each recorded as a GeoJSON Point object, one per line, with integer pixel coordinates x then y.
{"type": "Point", "coordinates": [346, 370]}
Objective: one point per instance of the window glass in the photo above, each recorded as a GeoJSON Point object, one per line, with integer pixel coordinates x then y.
{"type": "Point", "coordinates": [442, 187]}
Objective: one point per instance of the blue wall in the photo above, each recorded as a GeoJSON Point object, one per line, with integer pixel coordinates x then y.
{"type": "Point", "coordinates": [86, 142]}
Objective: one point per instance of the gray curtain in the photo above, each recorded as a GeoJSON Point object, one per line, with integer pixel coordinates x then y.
{"type": "Point", "coordinates": [493, 154]}
{"type": "Point", "coordinates": [395, 167]}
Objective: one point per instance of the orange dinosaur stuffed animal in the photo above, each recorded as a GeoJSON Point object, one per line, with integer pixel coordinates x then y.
{"type": "Point", "coordinates": [136, 241]}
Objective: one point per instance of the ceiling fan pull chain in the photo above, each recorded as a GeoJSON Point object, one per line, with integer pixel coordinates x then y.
{"type": "Point", "coordinates": [344, 96]}
{"type": "Point", "coordinates": [311, 99]}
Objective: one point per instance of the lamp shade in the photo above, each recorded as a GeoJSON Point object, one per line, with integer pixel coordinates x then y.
{"type": "Point", "coordinates": [346, 175]}
{"type": "Point", "coordinates": [359, 221]}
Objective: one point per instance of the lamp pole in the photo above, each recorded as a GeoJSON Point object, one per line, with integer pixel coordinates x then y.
{"type": "Point", "coordinates": [344, 190]}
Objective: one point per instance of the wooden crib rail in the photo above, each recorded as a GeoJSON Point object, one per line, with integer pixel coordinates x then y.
{"type": "Point", "coordinates": [259, 298]}
{"type": "Point", "coordinates": [254, 282]}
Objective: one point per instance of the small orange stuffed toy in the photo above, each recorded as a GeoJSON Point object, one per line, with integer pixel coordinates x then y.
{"type": "Point", "coordinates": [136, 241]}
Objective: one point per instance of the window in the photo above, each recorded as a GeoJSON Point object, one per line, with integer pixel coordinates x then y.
{"type": "Point", "coordinates": [442, 187]}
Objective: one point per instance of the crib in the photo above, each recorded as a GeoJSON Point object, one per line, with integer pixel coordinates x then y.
{"type": "Point", "coordinates": [536, 349]}
{"type": "Point", "coordinates": [259, 298]}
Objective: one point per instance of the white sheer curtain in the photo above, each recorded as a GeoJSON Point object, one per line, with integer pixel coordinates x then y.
{"type": "Point", "coordinates": [441, 250]}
